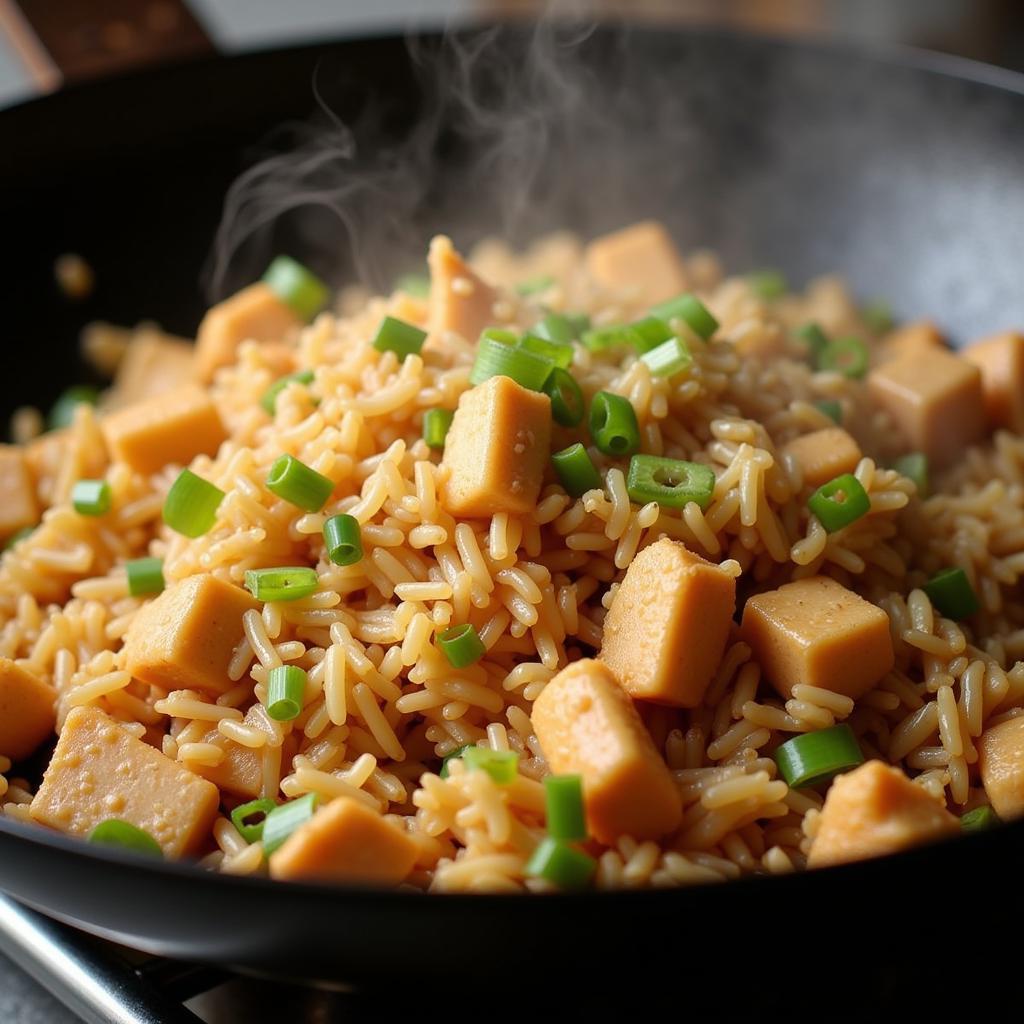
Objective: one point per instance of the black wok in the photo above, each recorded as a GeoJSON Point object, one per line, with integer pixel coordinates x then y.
{"type": "Point", "coordinates": [901, 170]}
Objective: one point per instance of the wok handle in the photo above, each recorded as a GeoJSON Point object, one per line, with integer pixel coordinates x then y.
{"type": "Point", "coordinates": [67, 41]}
{"type": "Point", "coordinates": [87, 976]}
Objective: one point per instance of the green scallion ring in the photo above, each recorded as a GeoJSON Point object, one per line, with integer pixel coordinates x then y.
{"type": "Point", "coordinates": [461, 645]}
{"type": "Point", "coordinates": [914, 465]}
{"type": "Point", "coordinates": [613, 424]}
{"type": "Point", "coordinates": [831, 408]}
{"type": "Point", "coordinates": [343, 539]}
{"type": "Point", "coordinates": [91, 497]}
{"type": "Point", "coordinates": [668, 359]}
{"type": "Point", "coordinates": [815, 339]}
{"type": "Point", "coordinates": [250, 818]}
{"type": "Point", "coordinates": [436, 423]}
{"type": "Point", "coordinates": [283, 820]}
{"type": "Point", "coordinates": [980, 819]}
{"type": "Point", "coordinates": [691, 311]}
{"type": "Point", "coordinates": [191, 505]}
{"type": "Point", "coordinates": [951, 592]}
{"type": "Point", "coordinates": [839, 502]}
{"type": "Point", "coordinates": [286, 685]}
{"type": "Point", "coordinates": [768, 284]}
{"type": "Point", "coordinates": [62, 412]}
{"type": "Point", "coordinates": [567, 404]}
{"type": "Point", "coordinates": [815, 757]}
{"type": "Point", "coordinates": [576, 472]}
{"type": "Point", "coordinates": [672, 483]}
{"type": "Point", "coordinates": [601, 339]}
{"type": "Point", "coordinates": [145, 576]}
{"type": "Point", "coordinates": [296, 287]}
{"type": "Point", "coordinates": [501, 765]}
{"type": "Point", "coordinates": [285, 583]}
{"type": "Point", "coordinates": [269, 399]}
{"type": "Point", "coordinates": [561, 864]}
{"type": "Point", "coordinates": [415, 285]}
{"type": "Point", "coordinates": [560, 353]}
{"type": "Point", "coordinates": [848, 356]}
{"type": "Point", "coordinates": [559, 327]}
{"type": "Point", "coordinates": [563, 799]}
{"type": "Point", "coordinates": [495, 358]}
{"type": "Point", "coordinates": [125, 836]}
{"type": "Point", "coordinates": [455, 755]}
{"type": "Point", "coordinates": [299, 484]}
{"type": "Point", "coordinates": [649, 333]}
{"type": "Point", "coordinates": [534, 285]}
{"type": "Point", "coordinates": [397, 336]}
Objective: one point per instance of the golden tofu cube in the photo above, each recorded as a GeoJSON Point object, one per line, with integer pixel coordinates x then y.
{"type": "Point", "coordinates": [1001, 361]}
{"type": "Point", "coordinates": [346, 841]}
{"type": "Point", "coordinates": [26, 711]}
{"type": "Point", "coordinates": [255, 313]}
{"type": "Point", "coordinates": [99, 771]}
{"type": "Point", "coordinates": [824, 454]}
{"type": "Point", "coordinates": [875, 810]}
{"type": "Point", "coordinates": [184, 638]}
{"type": "Point", "coordinates": [916, 340]}
{"type": "Point", "coordinates": [460, 300]}
{"type": "Point", "coordinates": [935, 401]}
{"type": "Point", "coordinates": [496, 450]}
{"type": "Point", "coordinates": [666, 629]}
{"type": "Point", "coordinates": [166, 429]}
{"type": "Point", "coordinates": [153, 364]}
{"type": "Point", "coordinates": [241, 771]}
{"type": "Point", "coordinates": [641, 259]}
{"type": "Point", "coordinates": [19, 506]}
{"type": "Point", "coordinates": [817, 632]}
{"type": "Point", "coordinates": [1001, 763]}
{"type": "Point", "coordinates": [588, 726]}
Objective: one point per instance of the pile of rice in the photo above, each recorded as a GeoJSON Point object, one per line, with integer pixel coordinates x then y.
{"type": "Point", "coordinates": [387, 706]}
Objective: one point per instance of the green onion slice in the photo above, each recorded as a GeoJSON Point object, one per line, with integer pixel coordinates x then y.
{"type": "Point", "coordinates": [455, 755]}
{"type": "Point", "coordinates": [286, 685]}
{"type": "Point", "coordinates": [613, 424]}
{"type": "Point", "coordinates": [461, 645]}
{"type": "Point", "coordinates": [91, 497]}
{"type": "Point", "coordinates": [848, 356]}
{"type": "Point", "coordinates": [343, 539]}
{"type": "Point", "coordinates": [669, 358]}
{"type": "Point", "coordinates": [691, 311]}
{"type": "Point", "coordinates": [561, 327]}
{"type": "Point", "coordinates": [878, 316]}
{"type": "Point", "coordinates": [815, 339]}
{"type": "Point", "coordinates": [283, 820]}
{"type": "Point", "coordinates": [560, 353]}
{"type": "Point", "coordinates": [768, 284]}
{"type": "Point", "coordinates": [815, 757]}
{"type": "Point", "coordinates": [567, 405]}
{"type": "Point", "coordinates": [951, 592]}
{"type": "Point", "coordinates": [397, 336]}
{"type": "Point", "coordinates": [62, 412]}
{"type": "Point", "coordinates": [576, 473]}
{"type": "Point", "coordinates": [122, 834]}
{"type": "Point", "coordinates": [496, 358]}
{"type": "Point", "coordinates": [250, 818]}
{"type": "Point", "coordinates": [299, 484]}
{"type": "Point", "coordinates": [501, 765]}
{"type": "Point", "coordinates": [416, 285]}
{"type": "Point", "coordinates": [650, 333]}
{"type": "Point", "coordinates": [435, 426]}
{"type": "Point", "coordinates": [145, 576]}
{"type": "Point", "coordinates": [191, 505]}
{"type": "Point", "coordinates": [269, 399]}
{"type": "Point", "coordinates": [296, 287]}
{"type": "Point", "coordinates": [980, 819]}
{"type": "Point", "coordinates": [601, 339]}
{"type": "Point", "coordinates": [535, 285]}
{"type": "Point", "coordinates": [914, 466]}
{"type": "Point", "coordinates": [839, 502]}
{"type": "Point", "coordinates": [563, 798]}
{"type": "Point", "coordinates": [831, 408]}
{"type": "Point", "coordinates": [288, 583]}
{"type": "Point", "coordinates": [562, 864]}
{"type": "Point", "coordinates": [672, 483]}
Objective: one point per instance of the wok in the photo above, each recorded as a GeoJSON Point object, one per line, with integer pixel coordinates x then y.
{"type": "Point", "coordinates": [900, 169]}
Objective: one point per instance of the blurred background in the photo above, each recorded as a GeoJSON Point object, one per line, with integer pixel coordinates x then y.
{"type": "Point", "coordinates": [45, 44]}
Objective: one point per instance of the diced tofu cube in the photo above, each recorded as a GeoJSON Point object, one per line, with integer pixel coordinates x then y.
{"type": "Point", "coordinates": [241, 771]}
{"type": "Point", "coordinates": [153, 364]}
{"type": "Point", "coordinates": [345, 841]}
{"type": "Point", "coordinates": [496, 449]}
{"type": "Point", "coordinates": [1001, 361]}
{"type": "Point", "coordinates": [19, 506]}
{"type": "Point", "coordinates": [185, 637]}
{"type": "Point", "coordinates": [916, 340]}
{"type": "Point", "coordinates": [1001, 763]}
{"type": "Point", "coordinates": [875, 810]}
{"type": "Point", "coordinates": [817, 632]}
{"type": "Point", "coordinates": [587, 726]}
{"type": "Point", "coordinates": [824, 454]}
{"type": "Point", "coordinates": [170, 428]}
{"type": "Point", "coordinates": [99, 771]}
{"type": "Point", "coordinates": [460, 300]}
{"type": "Point", "coordinates": [666, 629]}
{"type": "Point", "coordinates": [255, 313]}
{"type": "Point", "coordinates": [641, 259]}
{"type": "Point", "coordinates": [26, 711]}
{"type": "Point", "coordinates": [936, 403]}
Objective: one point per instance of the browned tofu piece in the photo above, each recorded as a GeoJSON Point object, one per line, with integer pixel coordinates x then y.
{"type": "Point", "coordinates": [641, 259]}
{"type": "Point", "coordinates": [496, 449]}
{"type": "Point", "coordinates": [346, 841]}
{"type": "Point", "coordinates": [166, 429]}
{"type": "Point", "coordinates": [241, 771]}
{"type": "Point", "coordinates": [153, 364]}
{"type": "Point", "coordinates": [19, 506]}
{"type": "Point", "coordinates": [1001, 361]}
{"type": "Point", "coordinates": [824, 454]}
{"type": "Point", "coordinates": [875, 810]}
{"type": "Point", "coordinates": [918, 339]}
{"type": "Point", "coordinates": [460, 300]}
{"type": "Point", "coordinates": [184, 638]}
{"type": "Point", "coordinates": [815, 631]}
{"type": "Point", "coordinates": [587, 725]}
{"type": "Point", "coordinates": [935, 401]}
{"type": "Point", "coordinates": [99, 771]}
{"type": "Point", "coordinates": [255, 313]}
{"type": "Point", "coordinates": [26, 711]}
{"type": "Point", "coordinates": [1001, 762]}
{"type": "Point", "coordinates": [666, 629]}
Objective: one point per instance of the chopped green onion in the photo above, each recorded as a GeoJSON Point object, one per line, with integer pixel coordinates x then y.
{"type": "Point", "coordinates": [578, 322]}
{"type": "Point", "coordinates": [455, 755]}
{"type": "Point", "coordinates": [435, 426]}
{"type": "Point", "coordinates": [298, 484]}
{"type": "Point", "coordinates": [62, 412]}
{"type": "Point", "coordinates": [613, 424]}
{"type": "Point", "coordinates": [283, 820]}
{"type": "Point", "coordinates": [343, 539]}
{"type": "Point", "coordinates": [848, 356]}
{"type": "Point", "coordinates": [980, 819]}
{"type": "Point", "coordinates": [815, 339]}
{"type": "Point", "coordinates": [145, 576]}
{"type": "Point", "coordinates": [816, 757]}
{"type": "Point", "coordinates": [495, 358]}
{"type": "Point", "coordinates": [191, 505]}
{"type": "Point", "coordinates": [669, 358]}
{"type": "Point", "coordinates": [915, 466]}
{"type": "Point", "coordinates": [558, 328]}
{"type": "Point", "coordinates": [296, 287]}
{"type": "Point", "coordinates": [767, 284]}
{"type": "Point", "coordinates": [878, 316]}
{"type": "Point", "coordinates": [672, 483]}
{"type": "Point", "coordinates": [18, 536]}
{"type": "Point", "coordinates": [839, 502]}
{"type": "Point", "coordinates": [397, 336]}
{"type": "Point", "coordinates": [560, 353]}
{"type": "Point", "coordinates": [288, 583]}
{"type": "Point", "coordinates": [114, 832]}
{"type": "Point", "coordinates": [567, 405]}
{"type": "Point", "coordinates": [503, 334]}
{"type": "Point", "coordinates": [416, 285]}
{"type": "Point", "coordinates": [501, 765]}
{"type": "Point", "coordinates": [91, 497]}
{"type": "Point", "coordinates": [576, 473]}
{"type": "Point", "coordinates": [250, 818]}
{"type": "Point", "coordinates": [649, 333]}
{"type": "Point", "coordinates": [951, 592]}
{"type": "Point", "coordinates": [561, 864]}
{"type": "Point", "coordinates": [269, 399]}
{"type": "Point", "coordinates": [535, 284]}
{"type": "Point", "coordinates": [831, 408]}
{"type": "Point", "coordinates": [285, 686]}
{"type": "Point", "coordinates": [691, 311]}
{"type": "Point", "coordinates": [461, 645]}
{"type": "Point", "coordinates": [563, 798]}
{"type": "Point", "coordinates": [600, 339]}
